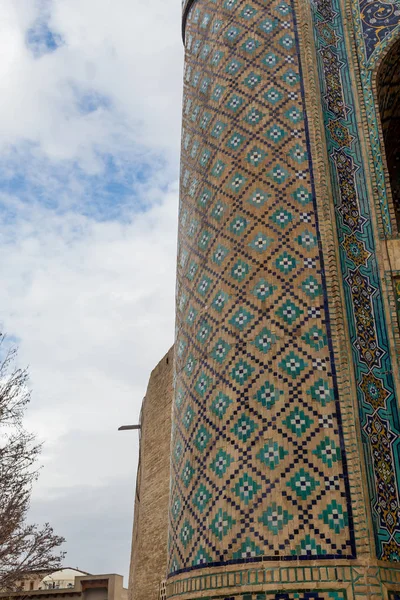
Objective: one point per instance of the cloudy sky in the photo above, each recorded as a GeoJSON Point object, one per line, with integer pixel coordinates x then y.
{"type": "Point", "coordinates": [89, 149]}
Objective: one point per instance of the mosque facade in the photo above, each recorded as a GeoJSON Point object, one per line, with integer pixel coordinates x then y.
{"type": "Point", "coordinates": [285, 428]}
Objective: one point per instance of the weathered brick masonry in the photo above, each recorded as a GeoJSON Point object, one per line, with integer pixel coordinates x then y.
{"type": "Point", "coordinates": [149, 541]}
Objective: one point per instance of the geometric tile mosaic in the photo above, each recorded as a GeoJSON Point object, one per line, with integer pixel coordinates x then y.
{"type": "Point", "coordinates": [293, 595]}
{"type": "Point", "coordinates": [259, 466]}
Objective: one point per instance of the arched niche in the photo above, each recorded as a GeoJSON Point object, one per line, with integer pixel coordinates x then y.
{"type": "Point", "coordinates": [388, 96]}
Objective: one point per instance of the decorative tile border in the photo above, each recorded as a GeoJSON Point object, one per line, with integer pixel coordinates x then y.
{"type": "Point", "coordinates": [377, 402]}
{"type": "Point", "coordinates": [321, 594]}
{"type": "Point", "coordinates": [356, 582]}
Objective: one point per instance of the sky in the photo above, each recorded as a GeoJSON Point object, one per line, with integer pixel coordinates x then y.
{"type": "Point", "coordinates": [90, 109]}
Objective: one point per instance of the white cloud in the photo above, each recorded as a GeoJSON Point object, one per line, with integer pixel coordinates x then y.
{"type": "Point", "coordinates": [92, 305]}
{"type": "Point", "coordinates": [128, 52]}
{"type": "Point", "coordinates": [88, 270]}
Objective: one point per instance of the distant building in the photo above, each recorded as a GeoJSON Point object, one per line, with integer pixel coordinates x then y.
{"type": "Point", "coordinates": [64, 578]}
{"type": "Point", "coordinates": [50, 580]}
{"type": "Point", "coordinates": [68, 584]}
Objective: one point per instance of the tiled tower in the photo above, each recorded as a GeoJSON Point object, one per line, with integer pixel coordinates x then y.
{"type": "Point", "coordinates": [285, 468]}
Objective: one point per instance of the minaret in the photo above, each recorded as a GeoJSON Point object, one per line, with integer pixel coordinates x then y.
{"type": "Point", "coordinates": [285, 448]}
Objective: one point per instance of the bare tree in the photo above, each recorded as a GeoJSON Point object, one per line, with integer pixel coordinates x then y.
{"type": "Point", "coordinates": [23, 547]}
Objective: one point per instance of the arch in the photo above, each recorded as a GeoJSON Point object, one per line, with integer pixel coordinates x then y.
{"type": "Point", "coordinates": [387, 93]}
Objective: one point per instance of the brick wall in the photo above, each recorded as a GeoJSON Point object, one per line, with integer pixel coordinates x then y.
{"type": "Point", "coordinates": [149, 540]}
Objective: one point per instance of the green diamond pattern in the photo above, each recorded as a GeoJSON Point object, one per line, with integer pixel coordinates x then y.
{"type": "Point", "coordinates": [273, 96]}
{"type": "Point", "coordinates": [204, 285]}
{"type": "Point", "coordinates": [286, 263]}
{"type": "Point", "coordinates": [220, 254]}
{"type": "Point", "coordinates": [221, 524]}
{"type": "Point", "coordinates": [315, 338]}
{"type": "Point", "coordinates": [335, 517]}
{"type": "Point", "coordinates": [220, 404]}
{"type": "Point", "coordinates": [248, 12]}
{"type": "Point", "coordinates": [254, 116]}
{"type": "Point", "coordinates": [241, 372]}
{"type": "Point", "coordinates": [202, 384]}
{"type": "Point", "coordinates": [302, 195]}
{"type": "Point", "coordinates": [241, 319]}
{"type": "Point", "coordinates": [204, 332]}
{"type": "Point", "coordinates": [232, 33]}
{"type": "Point", "coordinates": [286, 41]}
{"type": "Point", "coordinates": [250, 45]}
{"type": "Point", "coordinates": [321, 392]}
{"type": "Point", "coordinates": [240, 270]}
{"type": "Point", "coordinates": [311, 287]}
{"type": "Point", "coordinates": [234, 103]}
{"type": "Point", "coordinates": [307, 240]}
{"type": "Point", "coordinates": [188, 417]}
{"type": "Point", "coordinates": [238, 225]}
{"type": "Point", "coordinates": [291, 78]}
{"type": "Point", "coordinates": [176, 507]}
{"type": "Point", "coordinates": [298, 154]}
{"type": "Point", "coordinates": [248, 550]}
{"type": "Point", "coordinates": [268, 25]}
{"type": "Point", "coordinates": [328, 452]}
{"type": "Point", "coordinates": [218, 211]}
{"type": "Point", "coordinates": [218, 168]}
{"type": "Point", "coordinates": [252, 80]}
{"type": "Point", "coordinates": [256, 156]}
{"type": "Point", "coordinates": [233, 67]}
{"type": "Point", "coordinates": [267, 395]}
{"type": "Point", "coordinates": [235, 141]}
{"type": "Point", "coordinates": [270, 60]}
{"type": "Point", "coordinates": [275, 134]}
{"type": "Point", "coordinates": [237, 182]}
{"type": "Point", "coordinates": [202, 497]}
{"type": "Point", "coordinates": [202, 439]}
{"type": "Point", "coordinates": [293, 364]}
{"type": "Point", "coordinates": [263, 290]}
{"type": "Point", "coordinates": [258, 198]}
{"type": "Point", "coordinates": [303, 484]}
{"type": "Point", "coordinates": [271, 454]}
{"type": "Point", "coordinates": [275, 518]}
{"type": "Point", "coordinates": [294, 115]}
{"type": "Point", "coordinates": [281, 217]}
{"type": "Point", "coordinates": [289, 312]}
{"type": "Point", "coordinates": [244, 428]}
{"type": "Point", "coordinates": [190, 365]}
{"type": "Point", "coordinates": [220, 301]}
{"type": "Point", "coordinates": [308, 547]}
{"type": "Point", "coordinates": [221, 463]}
{"type": "Point", "coordinates": [246, 488]}
{"type": "Point", "coordinates": [187, 474]}
{"type": "Point", "coordinates": [186, 533]}
{"type": "Point", "coordinates": [220, 350]}
{"type": "Point", "coordinates": [264, 340]}
{"type": "Point", "coordinates": [202, 558]}
{"type": "Point", "coordinates": [260, 242]}
{"type": "Point", "coordinates": [298, 422]}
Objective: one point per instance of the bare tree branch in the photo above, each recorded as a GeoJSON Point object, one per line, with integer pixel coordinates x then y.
{"type": "Point", "coordinates": [23, 547]}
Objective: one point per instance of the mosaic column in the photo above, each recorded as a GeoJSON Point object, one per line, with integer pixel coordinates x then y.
{"type": "Point", "coordinates": [266, 497]}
